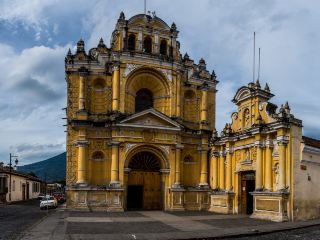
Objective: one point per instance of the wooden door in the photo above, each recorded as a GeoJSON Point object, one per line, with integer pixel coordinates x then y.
{"type": "Point", "coordinates": [247, 186]}
{"type": "Point", "coordinates": [147, 184]}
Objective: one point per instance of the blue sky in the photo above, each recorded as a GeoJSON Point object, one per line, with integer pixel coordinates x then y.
{"type": "Point", "coordinates": [36, 34]}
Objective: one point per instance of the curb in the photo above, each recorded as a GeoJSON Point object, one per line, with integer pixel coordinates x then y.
{"type": "Point", "coordinates": [255, 232]}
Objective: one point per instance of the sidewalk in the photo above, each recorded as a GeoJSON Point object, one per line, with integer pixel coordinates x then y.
{"type": "Point", "coordinates": [64, 224]}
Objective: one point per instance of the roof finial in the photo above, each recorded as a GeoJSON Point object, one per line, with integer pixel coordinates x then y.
{"type": "Point", "coordinates": [213, 74]}
{"type": "Point", "coordinates": [266, 88]}
{"type": "Point", "coordinates": [286, 107]}
{"type": "Point", "coordinates": [258, 84]}
{"type": "Point", "coordinates": [80, 46]}
{"type": "Point", "coordinates": [69, 52]}
{"type": "Point", "coordinates": [101, 44]}
{"type": "Point", "coordinates": [122, 16]}
{"type": "Point", "coordinates": [173, 27]}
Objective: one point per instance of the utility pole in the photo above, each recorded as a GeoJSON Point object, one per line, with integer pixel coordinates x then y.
{"type": "Point", "coordinates": [10, 169]}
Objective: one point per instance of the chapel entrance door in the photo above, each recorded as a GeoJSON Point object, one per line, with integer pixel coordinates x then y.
{"type": "Point", "coordinates": [144, 182]}
{"type": "Point", "coordinates": [247, 186]}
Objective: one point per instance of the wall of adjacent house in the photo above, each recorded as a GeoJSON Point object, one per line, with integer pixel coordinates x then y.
{"type": "Point", "coordinates": [306, 184]}
{"type": "Point", "coordinates": [17, 183]}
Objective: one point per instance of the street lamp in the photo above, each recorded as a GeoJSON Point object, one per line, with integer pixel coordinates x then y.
{"type": "Point", "coordinates": [10, 169]}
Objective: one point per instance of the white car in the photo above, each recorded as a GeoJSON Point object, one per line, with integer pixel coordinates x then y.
{"type": "Point", "coordinates": [48, 202]}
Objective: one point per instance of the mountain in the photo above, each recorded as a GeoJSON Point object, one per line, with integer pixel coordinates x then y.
{"type": "Point", "coordinates": [50, 170]}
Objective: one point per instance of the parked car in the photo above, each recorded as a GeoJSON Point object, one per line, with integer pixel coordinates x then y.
{"type": "Point", "coordinates": [48, 202]}
{"type": "Point", "coordinates": [41, 196]}
{"type": "Point", "coordinates": [60, 197]}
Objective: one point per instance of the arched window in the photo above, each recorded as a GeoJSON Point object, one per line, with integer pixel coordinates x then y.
{"type": "Point", "coordinates": [189, 95]}
{"type": "Point", "coordinates": [132, 42]}
{"type": "Point", "coordinates": [163, 47]}
{"type": "Point", "coordinates": [147, 44]}
{"type": "Point", "coordinates": [144, 100]}
{"type": "Point", "coordinates": [99, 84]}
{"type": "Point", "coordinates": [98, 156]}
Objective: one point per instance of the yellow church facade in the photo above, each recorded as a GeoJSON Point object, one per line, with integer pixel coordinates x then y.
{"type": "Point", "coordinates": [141, 132]}
{"type": "Point", "coordinates": [139, 119]}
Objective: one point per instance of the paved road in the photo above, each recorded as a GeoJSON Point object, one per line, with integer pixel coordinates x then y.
{"type": "Point", "coordinates": [15, 218]}
{"type": "Point", "coordinates": [64, 224]}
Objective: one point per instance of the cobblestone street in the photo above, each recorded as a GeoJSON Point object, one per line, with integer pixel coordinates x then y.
{"type": "Point", "coordinates": [63, 224]}
{"type": "Point", "coordinates": [17, 217]}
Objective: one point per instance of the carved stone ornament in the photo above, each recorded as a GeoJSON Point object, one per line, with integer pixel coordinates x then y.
{"type": "Point", "coordinates": [167, 73]}
{"type": "Point", "coordinates": [129, 69]}
{"type": "Point", "coordinates": [166, 149]}
{"type": "Point", "coordinates": [129, 146]}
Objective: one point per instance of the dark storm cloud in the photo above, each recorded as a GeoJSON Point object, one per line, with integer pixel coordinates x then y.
{"type": "Point", "coordinates": [32, 89]}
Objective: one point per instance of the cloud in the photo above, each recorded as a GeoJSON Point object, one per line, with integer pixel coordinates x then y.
{"type": "Point", "coordinates": [35, 78]}
{"type": "Point", "coordinates": [35, 36]}
{"type": "Point", "coordinates": [29, 153]}
{"type": "Point", "coordinates": [32, 94]}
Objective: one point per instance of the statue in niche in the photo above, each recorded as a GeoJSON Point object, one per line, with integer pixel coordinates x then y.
{"type": "Point", "coordinates": [246, 118]}
{"type": "Point", "coordinates": [276, 171]}
{"type": "Point", "coordinates": [247, 158]}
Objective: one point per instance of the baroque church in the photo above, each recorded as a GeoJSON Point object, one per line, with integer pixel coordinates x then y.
{"type": "Point", "coordinates": [141, 134]}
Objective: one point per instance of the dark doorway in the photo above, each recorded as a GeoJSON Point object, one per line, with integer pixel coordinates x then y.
{"type": "Point", "coordinates": [132, 42]}
{"type": "Point", "coordinates": [144, 100]}
{"type": "Point", "coordinates": [23, 192]}
{"type": "Point", "coordinates": [27, 191]}
{"type": "Point", "coordinates": [147, 44]}
{"type": "Point", "coordinates": [247, 186]}
{"type": "Point", "coordinates": [163, 47]}
{"type": "Point", "coordinates": [135, 197]}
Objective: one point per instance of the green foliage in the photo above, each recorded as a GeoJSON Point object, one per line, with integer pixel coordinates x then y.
{"type": "Point", "coordinates": [32, 174]}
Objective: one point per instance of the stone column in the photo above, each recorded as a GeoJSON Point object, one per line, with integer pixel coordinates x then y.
{"type": "Point", "coordinates": [268, 171]}
{"type": "Point", "coordinates": [115, 87]}
{"type": "Point", "coordinates": [204, 169]}
{"type": "Point", "coordinates": [82, 162]}
{"type": "Point", "coordinates": [229, 169]}
{"type": "Point", "coordinates": [221, 171]}
{"type": "Point", "coordinates": [82, 88]}
{"type": "Point", "coordinates": [282, 142]}
{"type": "Point", "coordinates": [177, 177]}
{"type": "Point", "coordinates": [259, 163]}
{"type": "Point", "coordinates": [115, 163]}
{"type": "Point", "coordinates": [204, 106]}
{"type": "Point", "coordinates": [214, 169]}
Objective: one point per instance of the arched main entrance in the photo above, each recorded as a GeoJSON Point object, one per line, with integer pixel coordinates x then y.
{"type": "Point", "coordinates": [144, 182]}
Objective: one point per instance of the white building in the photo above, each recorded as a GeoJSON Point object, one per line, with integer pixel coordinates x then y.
{"type": "Point", "coordinates": [23, 186]}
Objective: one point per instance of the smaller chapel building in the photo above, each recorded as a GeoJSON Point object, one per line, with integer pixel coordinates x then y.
{"type": "Point", "coordinates": [261, 164]}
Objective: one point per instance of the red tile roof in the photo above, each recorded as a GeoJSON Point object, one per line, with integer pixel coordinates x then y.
{"type": "Point", "coordinates": [311, 142]}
